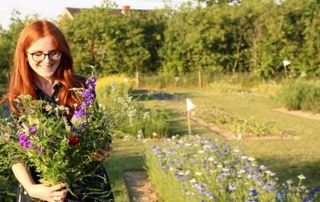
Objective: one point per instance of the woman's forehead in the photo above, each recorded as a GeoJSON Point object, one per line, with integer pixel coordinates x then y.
{"type": "Point", "coordinates": [43, 44]}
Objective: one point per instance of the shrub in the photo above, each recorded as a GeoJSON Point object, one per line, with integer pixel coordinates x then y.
{"type": "Point", "coordinates": [300, 95]}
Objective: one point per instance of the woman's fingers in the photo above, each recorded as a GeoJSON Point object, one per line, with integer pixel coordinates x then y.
{"type": "Point", "coordinates": [58, 187]}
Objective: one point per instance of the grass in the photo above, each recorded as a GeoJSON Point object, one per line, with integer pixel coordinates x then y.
{"type": "Point", "coordinates": [288, 158]}
{"type": "Point", "coordinates": [129, 154]}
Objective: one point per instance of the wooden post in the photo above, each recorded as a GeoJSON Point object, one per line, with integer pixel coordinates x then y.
{"type": "Point", "coordinates": [199, 79]}
{"type": "Point", "coordinates": [189, 124]}
{"type": "Point", "coordinates": [137, 79]}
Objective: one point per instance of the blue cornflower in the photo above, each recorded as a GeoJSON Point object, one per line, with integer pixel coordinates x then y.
{"type": "Point", "coordinates": [252, 200]}
{"type": "Point", "coordinates": [280, 195]}
{"type": "Point", "coordinates": [165, 167]}
{"type": "Point", "coordinates": [232, 187]}
{"type": "Point", "coordinates": [314, 191]}
{"type": "Point", "coordinates": [306, 199]}
{"type": "Point", "coordinates": [253, 192]}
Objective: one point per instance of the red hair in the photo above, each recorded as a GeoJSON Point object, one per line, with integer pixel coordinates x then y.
{"type": "Point", "coordinates": [22, 80]}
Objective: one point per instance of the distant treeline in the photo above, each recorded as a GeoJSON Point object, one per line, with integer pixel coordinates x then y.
{"type": "Point", "coordinates": [255, 36]}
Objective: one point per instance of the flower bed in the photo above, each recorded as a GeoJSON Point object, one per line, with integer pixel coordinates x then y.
{"type": "Point", "coordinates": [200, 169]}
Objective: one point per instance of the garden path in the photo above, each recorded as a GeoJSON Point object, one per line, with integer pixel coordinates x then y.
{"type": "Point", "coordinates": [139, 187]}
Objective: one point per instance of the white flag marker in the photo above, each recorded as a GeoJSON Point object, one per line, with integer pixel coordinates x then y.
{"type": "Point", "coordinates": [190, 106]}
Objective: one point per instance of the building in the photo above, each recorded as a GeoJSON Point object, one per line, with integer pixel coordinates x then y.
{"type": "Point", "coordinates": [71, 12]}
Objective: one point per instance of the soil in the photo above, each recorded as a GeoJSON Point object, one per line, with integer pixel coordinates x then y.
{"type": "Point", "coordinates": [139, 187]}
{"type": "Point", "coordinates": [299, 113]}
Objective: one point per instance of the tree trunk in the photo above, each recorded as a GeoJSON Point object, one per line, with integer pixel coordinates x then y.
{"type": "Point", "coordinates": [199, 79]}
{"type": "Point", "coordinates": [137, 79]}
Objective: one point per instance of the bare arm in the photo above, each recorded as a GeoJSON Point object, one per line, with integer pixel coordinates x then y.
{"type": "Point", "coordinates": [38, 191]}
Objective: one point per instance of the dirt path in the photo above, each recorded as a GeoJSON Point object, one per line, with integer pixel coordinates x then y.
{"type": "Point", "coordinates": [300, 113]}
{"type": "Point", "coordinates": [139, 187]}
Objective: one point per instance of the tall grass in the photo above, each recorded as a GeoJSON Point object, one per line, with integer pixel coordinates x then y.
{"type": "Point", "coordinates": [300, 95]}
{"type": "Point", "coordinates": [128, 116]}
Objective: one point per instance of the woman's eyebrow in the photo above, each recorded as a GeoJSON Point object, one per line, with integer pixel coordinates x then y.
{"type": "Point", "coordinates": [40, 51]}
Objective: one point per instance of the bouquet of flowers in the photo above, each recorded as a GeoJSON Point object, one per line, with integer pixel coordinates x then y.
{"type": "Point", "coordinates": [58, 144]}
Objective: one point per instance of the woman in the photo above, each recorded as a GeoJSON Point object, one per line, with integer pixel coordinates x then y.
{"type": "Point", "coordinates": [43, 68]}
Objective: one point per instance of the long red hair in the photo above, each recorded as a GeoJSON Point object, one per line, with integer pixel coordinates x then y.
{"type": "Point", "coordinates": [22, 77]}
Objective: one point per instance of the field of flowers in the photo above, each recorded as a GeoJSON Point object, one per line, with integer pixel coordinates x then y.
{"type": "Point", "coordinates": [196, 168]}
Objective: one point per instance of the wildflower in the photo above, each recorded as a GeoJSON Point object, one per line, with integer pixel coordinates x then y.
{"type": "Point", "coordinates": [289, 181]}
{"type": "Point", "coordinates": [73, 139]}
{"type": "Point", "coordinates": [251, 159]}
{"type": "Point", "coordinates": [232, 187]}
{"type": "Point", "coordinates": [253, 192]}
{"type": "Point", "coordinates": [302, 188]}
{"type": "Point", "coordinates": [198, 173]}
{"type": "Point", "coordinates": [37, 135]}
{"type": "Point", "coordinates": [24, 141]}
{"type": "Point", "coordinates": [268, 172]}
{"type": "Point", "coordinates": [165, 167]}
{"type": "Point", "coordinates": [79, 113]}
{"type": "Point", "coordinates": [193, 180]}
{"type": "Point", "coordinates": [32, 129]}
{"type": "Point", "coordinates": [39, 149]}
{"type": "Point", "coordinates": [301, 177]}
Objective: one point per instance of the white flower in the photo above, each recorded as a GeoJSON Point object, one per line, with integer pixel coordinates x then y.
{"type": "Point", "coordinates": [286, 63]}
{"type": "Point", "coordinates": [244, 157]}
{"type": "Point", "coordinates": [289, 181]}
{"type": "Point", "coordinates": [268, 172]}
{"type": "Point", "coordinates": [140, 134]}
{"type": "Point", "coordinates": [198, 173]}
{"type": "Point", "coordinates": [193, 180]}
{"type": "Point", "coordinates": [225, 170]}
{"type": "Point", "coordinates": [236, 150]}
{"type": "Point", "coordinates": [301, 177]}
{"type": "Point", "coordinates": [200, 151]}
{"type": "Point", "coordinates": [211, 158]}
{"type": "Point", "coordinates": [251, 159]}
{"type": "Point", "coordinates": [262, 167]}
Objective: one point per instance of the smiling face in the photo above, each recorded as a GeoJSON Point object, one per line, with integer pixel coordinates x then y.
{"type": "Point", "coordinates": [47, 67]}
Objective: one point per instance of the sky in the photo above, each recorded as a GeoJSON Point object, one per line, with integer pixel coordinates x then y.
{"type": "Point", "coordinates": [50, 9]}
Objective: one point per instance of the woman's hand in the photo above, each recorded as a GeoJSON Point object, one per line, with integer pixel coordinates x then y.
{"type": "Point", "coordinates": [56, 193]}
{"type": "Point", "coordinates": [102, 155]}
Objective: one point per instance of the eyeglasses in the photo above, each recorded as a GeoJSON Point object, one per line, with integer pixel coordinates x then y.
{"type": "Point", "coordinates": [40, 56]}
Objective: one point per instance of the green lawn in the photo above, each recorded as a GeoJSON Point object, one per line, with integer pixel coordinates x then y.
{"type": "Point", "coordinates": [288, 158]}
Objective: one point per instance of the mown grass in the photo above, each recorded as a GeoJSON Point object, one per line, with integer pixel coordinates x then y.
{"type": "Point", "coordinates": [287, 157]}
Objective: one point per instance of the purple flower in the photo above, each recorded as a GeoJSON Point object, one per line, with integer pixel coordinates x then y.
{"type": "Point", "coordinates": [78, 114]}
{"type": "Point", "coordinates": [23, 137]}
{"type": "Point", "coordinates": [32, 129]}
{"type": "Point", "coordinates": [87, 94]}
{"type": "Point", "coordinates": [37, 135]}
{"type": "Point", "coordinates": [39, 149]}
{"type": "Point", "coordinates": [24, 141]}
{"type": "Point", "coordinates": [91, 83]}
